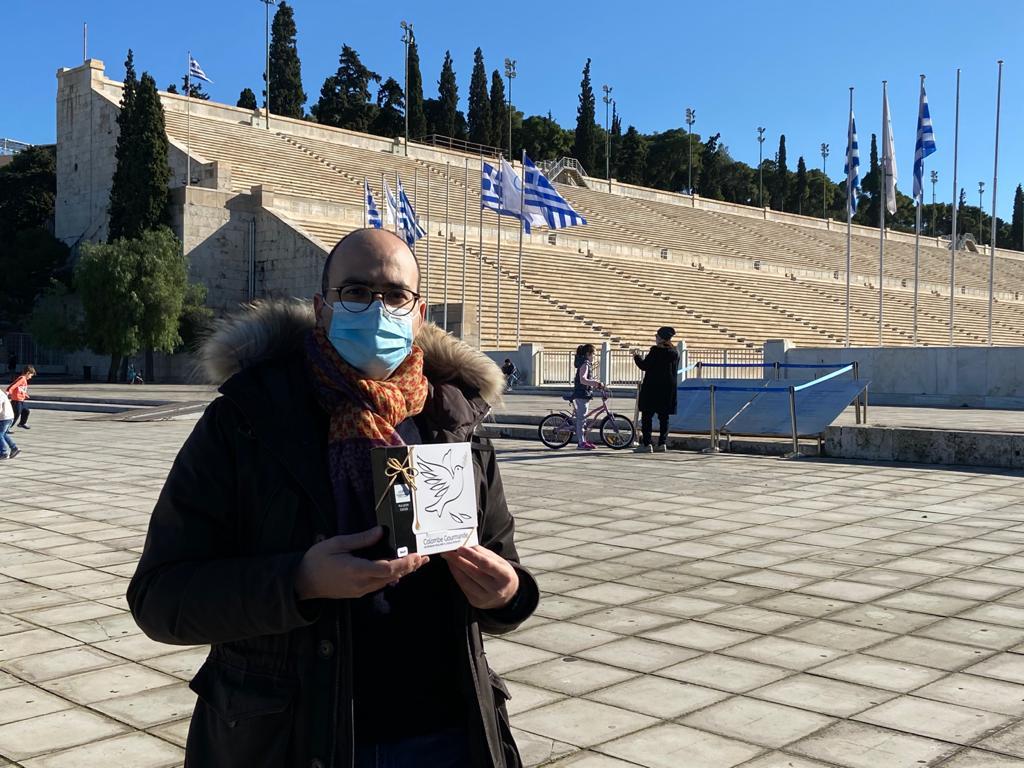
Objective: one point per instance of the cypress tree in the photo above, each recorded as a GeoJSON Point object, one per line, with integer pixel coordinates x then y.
{"type": "Point", "coordinates": [1017, 222]}
{"type": "Point", "coordinates": [414, 99]}
{"type": "Point", "coordinates": [584, 143]}
{"type": "Point", "coordinates": [390, 118]}
{"type": "Point", "coordinates": [448, 98]}
{"type": "Point", "coordinates": [154, 171]}
{"type": "Point", "coordinates": [247, 99]}
{"type": "Point", "coordinates": [479, 115]}
{"type": "Point", "coordinates": [801, 184]}
{"type": "Point", "coordinates": [781, 176]}
{"type": "Point", "coordinates": [286, 94]}
{"type": "Point", "coordinates": [499, 111]}
{"type": "Point", "coordinates": [122, 190]}
{"type": "Point", "coordinates": [710, 184]}
{"type": "Point", "coordinates": [345, 95]}
{"type": "Point", "coordinates": [632, 160]}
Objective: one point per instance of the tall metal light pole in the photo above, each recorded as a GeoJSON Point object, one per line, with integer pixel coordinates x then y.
{"type": "Point", "coordinates": [935, 180]}
{"type": "Point", "coordinates": [510, 73]}
{"type": "Point", "coordinates": [406, 38]}
{"type": "Point", "coordinates": [691, 118]}
{"type": "Point", "coordinates": [607, 136]}
{"type": "Point", "coordinates": [266, 72]}
{"type": "Point", "coordinates": [981, 213]}
{"type": "Point", "coordinates": [760, 167]}
{"type": "Point", "coordinates": [824, 179]}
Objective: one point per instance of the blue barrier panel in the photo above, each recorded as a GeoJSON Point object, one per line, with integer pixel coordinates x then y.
{"type": "Point", "coordinates": [693, 414]}
{"type": "Point", "coordinates": [817, 407]}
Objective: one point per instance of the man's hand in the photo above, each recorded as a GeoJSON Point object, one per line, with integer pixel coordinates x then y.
{"type": "Point", "coordinates": [486, 579]}
{"type": "Point", "coordinates": [329, 570]}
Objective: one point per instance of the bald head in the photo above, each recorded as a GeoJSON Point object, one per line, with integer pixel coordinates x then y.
{"type": "Point", "coordinates": [375, 258]}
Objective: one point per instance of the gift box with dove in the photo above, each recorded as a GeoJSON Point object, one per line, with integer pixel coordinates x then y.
{"type": "Point", "coordinates": [425, 497]}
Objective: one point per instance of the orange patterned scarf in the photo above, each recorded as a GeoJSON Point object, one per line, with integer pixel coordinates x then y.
{"type": "Point", "coordinates": [364, 413]}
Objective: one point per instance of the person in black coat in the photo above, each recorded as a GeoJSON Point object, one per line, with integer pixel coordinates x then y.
{"type": "Point", "coordinates": [658, 391]}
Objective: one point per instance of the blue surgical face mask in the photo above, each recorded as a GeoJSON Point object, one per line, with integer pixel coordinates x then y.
{"type": "Point", "coordinates": [374, 340]}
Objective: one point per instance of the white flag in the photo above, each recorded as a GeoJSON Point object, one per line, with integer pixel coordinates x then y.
{"type": "Point", "coordinates": [512, 197]}
{"type": "Point", "coordinates": [888, 154]}
{"type": "Point", "coordinates": [390, 205]}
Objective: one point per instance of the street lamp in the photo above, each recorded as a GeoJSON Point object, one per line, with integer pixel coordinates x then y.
{"type": "Point", "coordinates": [760, 167]}
{"type": "Point", "coordinates": [510, 73]}
{"type": "Point", "coordinates": [981, 213]}
{"type": "Point", "coordinates": [407, 39]}
{"type": "Point", "coordinates": [266, 72]}
{"type": "Point", "coordinates": [935, 180]}
{"type": "Point", "coordinates": [607, 99]}
{"type": "Point", "coordinates": [824, 178]}
{"type": "Point", "coordinates": [691, 118]}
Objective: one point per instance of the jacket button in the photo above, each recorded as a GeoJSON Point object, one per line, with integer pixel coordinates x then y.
{"type": "Point", "coordinates": [325, 649]}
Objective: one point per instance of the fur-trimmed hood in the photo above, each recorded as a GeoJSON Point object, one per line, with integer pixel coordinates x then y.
{"type": "Point", "coordinates": [266, 330]}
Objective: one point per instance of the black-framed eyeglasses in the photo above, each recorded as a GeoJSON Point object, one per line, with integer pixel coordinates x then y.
{"type": "Point", "coordinates": [356, 298]}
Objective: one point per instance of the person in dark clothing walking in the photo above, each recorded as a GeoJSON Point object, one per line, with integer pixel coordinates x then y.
{"type": "Point", "coordinates": [262, 542]}
{"type": "Point", "coordinates": [658, 391]}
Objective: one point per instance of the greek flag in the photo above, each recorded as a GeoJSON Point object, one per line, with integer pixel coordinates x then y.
{"type": "Point", "coordinates": [409, 228]}
{"type": "Point", "coordinates": [852, 168]}
{"type": "Point", "coordinates": [372, 211]}
{"type": "Point", "coordinates": [543, 199]}
{"type": "Point", "coordinates": [194, 70]}
{"type": "Point", "coordinates": [391, 204]}
{"type": "Point", "coordinates": [501, 192]}
{"type": "Point", "coordinates": [925, 144]}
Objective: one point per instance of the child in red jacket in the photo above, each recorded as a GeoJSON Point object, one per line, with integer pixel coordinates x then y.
{"type": "Point", "coordinates": [18, 392]}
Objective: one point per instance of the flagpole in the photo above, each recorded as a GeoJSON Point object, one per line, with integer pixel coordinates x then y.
{"type": "Point", "coordinates": [918, 200]}
{"type": "Point", "coordinates": [519, 282]}
{"type": "Point", "coordinates": [849, 211]}
{"type": "Point", "coordinates": [953, 243]}
{"type": "Point", "coordinates": [881, 208]}
{"type": "Point", "coordinates": [480, 263]}
{"type": "Point", "coordinates": [365, 201]}
{"type": "Point", "coordinates": [188, 121]}
{"type": "Point", "coordinates": [497, 258]}
{"type": "Point", "coordinates": [447, 236]}
{"type": "Point", "coordinates": [398, 204]}
{"type": "Point", "coordinates": [415, 201]}
{"type": "Point", "coordinates": [429, 236]}
{"type": "Point", "coordinates": [995, 178]}
{"type": "Point", "coordinates": [465, 234]}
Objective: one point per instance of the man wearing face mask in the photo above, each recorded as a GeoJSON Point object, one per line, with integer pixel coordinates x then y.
{"type": "Point", "coordinates": [263, 542]}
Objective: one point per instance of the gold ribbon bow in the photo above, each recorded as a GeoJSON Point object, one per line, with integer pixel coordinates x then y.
{"type": "Point", "coordinates": [394, 469]}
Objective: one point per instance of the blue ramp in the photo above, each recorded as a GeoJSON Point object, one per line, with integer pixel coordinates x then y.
{"type": "Point", "coordinates": [817, 407]}
{"type": "Point", "coordinates": [693, 414]}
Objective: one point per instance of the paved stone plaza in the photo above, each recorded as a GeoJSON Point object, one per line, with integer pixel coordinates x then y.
{"type": "Point", "coordinates": [699, 612]}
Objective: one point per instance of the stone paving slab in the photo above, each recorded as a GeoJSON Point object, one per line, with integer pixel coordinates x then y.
{"type": "Point", "coordinates": [699, 611]}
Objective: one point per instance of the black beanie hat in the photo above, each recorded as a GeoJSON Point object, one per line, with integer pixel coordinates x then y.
{"type": "Point", "coordinates": [666, 333]}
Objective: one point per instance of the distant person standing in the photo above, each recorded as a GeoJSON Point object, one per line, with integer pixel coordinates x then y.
{"type": "Point", "coordinates": [8, 450]}
{"type": "Point", "coordinates": [658, 391]}
{"type": "Point", "coordinates": [582, 385]}
{"type": "Point", "coordinates": [18, 392]}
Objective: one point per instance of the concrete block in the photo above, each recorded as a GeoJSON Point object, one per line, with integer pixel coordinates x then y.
{"type": "Point", "coordinates": [923, 446]}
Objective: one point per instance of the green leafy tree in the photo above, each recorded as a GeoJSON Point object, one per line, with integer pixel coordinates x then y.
{"type": "Point", "coordinates": [1017, 222]}
{"type": "Point", "coordinates": [667, 158]}
{"type": "Point", "coordinates": [584, 141]}
{"type": "Point", "coordinates": [172, 88]}
{"type": "Point", "coordinates": [194, 88]}
{"type": "Point", "coordinates": [867, 209]}
{"type": "Point", "coordinates": [123, 183]}
{"type": "Point", "coordinates": [286, 95]}
{"type": "Point", "coordinates": [390, 118]}
{"type": "Point", "coordinates": [739, 181]}
{"type": "Point", "coordinates": [247, 99]}
{"type": "Point", "coordinates": [345, 95]}
{"type": "Point", "coordinates": [139, 195]}
{"type": "Point", "coordinates": [28, 189]}
{"type": "Point", "coordinates": [132, 293]}
{"type": "Point", "coordinates": [417, 117]}
{"type": "Point", "coordinates": [56, 319]}
{"type": "Point", "coordinates": [800, 187]}
{"type": "Point", "coordinates": [196, 318]}
{"type": "Point", "coordinates": [544, 139]}
{"type": "Point", "coordinates": [616, 141]}
{"type": "Point", "coordinates": [780, 184]}
{"type": "Point", "coordinates": [479, 114]}
{"type": "Point", "coordinates": [632, 164]}
{"type": "Point", "coordinates": [448, 99]}
{"type": "Point", "coordinates": [499, 111]}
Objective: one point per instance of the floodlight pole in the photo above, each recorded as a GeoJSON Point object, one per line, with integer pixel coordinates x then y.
{"type": "Point", "coordinates": [510, 73]}
{"type": "Point", "coordinates": [824, 178]}
{"type": "Point", "coordinates": [691, 118]}
{"type": "Point", "coordinates": [760, 167]}
{"type": "Point", "coordinates": [407, 39]}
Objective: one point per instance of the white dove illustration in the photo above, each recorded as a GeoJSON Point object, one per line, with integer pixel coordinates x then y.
{"type": "Point", "coordinates": [445, 482]}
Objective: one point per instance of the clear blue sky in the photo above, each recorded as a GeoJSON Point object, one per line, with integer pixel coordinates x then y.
{"type": "Point", "coordinates": [739, 63]}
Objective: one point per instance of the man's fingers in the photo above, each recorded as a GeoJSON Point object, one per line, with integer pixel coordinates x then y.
{"type": "Point", "coordinates": [479, 556]}
{"type": "Point", "coordinates": [471, 571]}
{"type": "Point", "coordinates": [353, 541]}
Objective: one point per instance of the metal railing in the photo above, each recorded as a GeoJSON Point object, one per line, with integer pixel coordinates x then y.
{"type": "Point", "coordinates": [694, 355]}
{"type": "Point", "coordinates": [556, 366]}
{"type": "Point", "coordinates": [621, 368]}
{"type": "Point", "coordinates": [27, 352]}
{"type": "Point", "coordinates": [553, 168]}
{"type": "Point", "coordinates": [460, 145]}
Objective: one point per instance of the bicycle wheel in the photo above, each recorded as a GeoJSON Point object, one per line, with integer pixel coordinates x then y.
{"type": "Point", "coordinates": [617, 431]}
{"type": "Point", "coordinates": [556, 430]}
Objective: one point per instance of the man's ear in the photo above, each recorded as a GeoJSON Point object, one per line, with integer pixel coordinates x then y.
{"type": "Point", "coordinates": [318, 309]}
